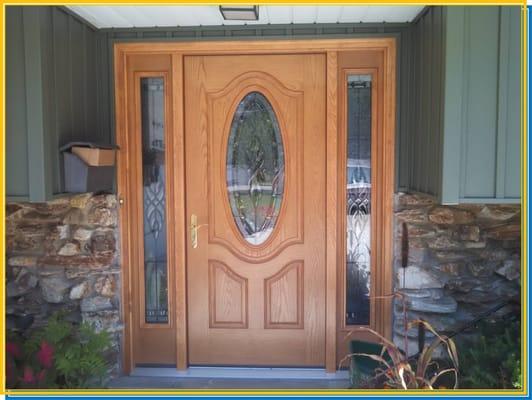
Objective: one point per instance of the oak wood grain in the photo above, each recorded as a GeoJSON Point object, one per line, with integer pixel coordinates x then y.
{"type": "Point", "coordinates": [290, 329]}
{"type": "Point", "coordinates": [169, 58]}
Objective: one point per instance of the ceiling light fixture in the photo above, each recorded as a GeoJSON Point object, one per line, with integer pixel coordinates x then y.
{"type": "Point", "coordinates": [244, 13]}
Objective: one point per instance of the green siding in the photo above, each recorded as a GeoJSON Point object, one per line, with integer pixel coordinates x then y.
{"type": "Point", "coordinates": [480, 100]}
{"type": "Point", "coordinates": [482, 105]}
{"type": "Point", "coordinates": [38, 157]}
{"type": "Point", "coordinates": [458, 86]}
{"type": "Point", "coordinates": [509, 138]}
{"type": "Point", "coordinates": [16, 124]}
{"type": "Point", "coordinates": [424, 130]}
{"type": "Point", "coordinates": [453, 104]}
{"type": "Point", "coordinates": [70, 63]}
{"type": "Point", "coordinates": [52, 87]}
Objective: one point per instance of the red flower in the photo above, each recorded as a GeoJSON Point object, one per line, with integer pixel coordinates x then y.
{"type": "Point", "coordinates": [45, 355]}
{"type": "Point", "coordinates": [13, 349]}
{"type": "Point", "coordinates": [28, 377]}
{"type": "Point", "coordinates": [10, 371]}
{"type": "Point", "coordinates": [41, 376]}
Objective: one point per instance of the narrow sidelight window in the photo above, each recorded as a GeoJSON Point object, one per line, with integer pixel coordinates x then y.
{"type": "Point", "coordinates": [153, 175]}
{"type": "Point", "coordinates": [358, 201]}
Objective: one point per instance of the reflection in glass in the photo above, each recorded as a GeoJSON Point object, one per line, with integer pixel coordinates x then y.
{"type": "Point", "coordinates": [153, 174]}
{"type": "Point", "coordinates": [255, 168]}
{"type": "Point", "coordinates": [358, 200]}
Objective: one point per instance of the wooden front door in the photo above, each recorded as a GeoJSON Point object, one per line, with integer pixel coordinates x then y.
{"type": "Point", "coordinates": [255, 150]}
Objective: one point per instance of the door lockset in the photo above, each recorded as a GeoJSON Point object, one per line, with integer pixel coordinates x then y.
{"type": "Point", "coordinates": [194, 230]}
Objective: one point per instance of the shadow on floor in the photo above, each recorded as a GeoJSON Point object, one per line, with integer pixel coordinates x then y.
{"type": "Point", "coordinates": [140, 382]}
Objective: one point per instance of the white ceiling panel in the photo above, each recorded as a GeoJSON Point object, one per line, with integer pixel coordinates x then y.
{"type": "Point", "coordinates": [101, 16]}
{"type": "Point", "coordinates": [279, 14]}
{"type": "Point", "coordinates": [140, 16]}
{"type": "Point", "coordinates": [329, 14]}
{"type": "Point", "coordinates": [133, 15]}
{"type": "Point", "coordinates": [388, 14]}
{"type": "Point", "coordinates": [353, 13]}
{"type": "Point", "coordinates": [305, 14]}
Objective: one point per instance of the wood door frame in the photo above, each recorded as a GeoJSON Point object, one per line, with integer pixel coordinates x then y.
{"type": "Point", "coordinates": [178, 50]}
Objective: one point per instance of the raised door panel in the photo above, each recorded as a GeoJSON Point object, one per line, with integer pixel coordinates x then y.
{"type": "Point", "coordinates": [228, 297]}
{"type": "Point", "coordinates": [284, 298]}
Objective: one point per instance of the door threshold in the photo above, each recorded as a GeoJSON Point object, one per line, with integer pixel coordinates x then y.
{"type": "Point", "coordinates": [241, 373]}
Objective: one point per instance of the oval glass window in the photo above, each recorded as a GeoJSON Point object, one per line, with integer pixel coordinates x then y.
{"type": "Point", "coordinates": [255, 168]}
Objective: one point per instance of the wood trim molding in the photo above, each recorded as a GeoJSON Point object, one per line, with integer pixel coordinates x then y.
{"type": "Point", "coordinates": [180, 235]}
{"type": "Point", "coordinates": [388, 185]}
{"type": "Point", "coordinates": [258, 46]}
{"type": "Point", "coordinates": [332, 214]}
{"type": "Point", "coordinates": [122, 165]}
{"type": "Point", "coordinates": [178, 50]}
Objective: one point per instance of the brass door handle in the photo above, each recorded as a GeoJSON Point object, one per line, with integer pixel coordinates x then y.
{"type": "Point", "coordinates": [194, 230]}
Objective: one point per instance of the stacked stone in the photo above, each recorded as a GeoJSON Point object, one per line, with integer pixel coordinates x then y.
{"type": "Point", "coordinates": [462, 261]}
{"type": "Point", "coordinates": [63, 255]}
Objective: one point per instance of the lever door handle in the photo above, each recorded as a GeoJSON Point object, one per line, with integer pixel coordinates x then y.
{"type": "Point", "coordinates": [194, 230]}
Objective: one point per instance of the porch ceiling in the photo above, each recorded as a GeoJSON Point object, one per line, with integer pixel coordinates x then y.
{"type": "Point", "coordinates": [140, 16]}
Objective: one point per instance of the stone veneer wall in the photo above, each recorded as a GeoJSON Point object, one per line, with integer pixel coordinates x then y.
{"type": "Point", "coordinates": [462, 260]}
{"type": "Point", "coordinates": [63, 255]}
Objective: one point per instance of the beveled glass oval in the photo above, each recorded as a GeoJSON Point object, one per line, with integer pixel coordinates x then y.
{"type": "Point", "coordinates": [255, 168]}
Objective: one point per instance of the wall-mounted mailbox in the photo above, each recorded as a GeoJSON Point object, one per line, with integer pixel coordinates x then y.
{"type": "Point", "coordinates": [88, 167]}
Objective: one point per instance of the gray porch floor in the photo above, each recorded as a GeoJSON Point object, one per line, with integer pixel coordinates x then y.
{"type": "Point", "coordinates": [222, 378]}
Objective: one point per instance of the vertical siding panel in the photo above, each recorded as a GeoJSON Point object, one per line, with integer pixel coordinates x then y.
{"type": "Point", "coordinates": [465, 100]}
{"type": "Point", "coordinates": [78, 78]}
{"type": "Point", "coordinates": [407, 130]}
{"type": "Point", "coordinates": [62, 74]}
{"type": "Point", "coordinates": [429, 100]}
{"type": "Point", "coordinates": [481, 84]}
{"type": "Point", "coordinates": [439, 96]}
{"type": "Point", "coordinates": [415, 109]}
{"type": "Point", "coordinates": [16, 140]}
{"type": "Point", "coordinates": [91, 84]}
{"type": "Point", "coordinates": [398, 114]}
{"type": "Point", "coordinates": [426, 66]}
{"type": "Point", "coordinates": [37, 154]}
{"type": "Point", "coordinates": [82, 97]}
{"type": "Point", "coordinates": [109, 86]}
{"type": "Point", "coordinates": [70, 81]}
{"type": "Point", "coordinates": [419, 124]}
{"type": "Point", "coordinates": [57, 175]}
{"type": "Point", "coordinates": [425, 127]}
{"type": "Point", "coordinates": [512, 126]}
{"type": "Point", "coordinates": [48, 99]}
{"type": "Point", "coordinates": [105, 80]}
{"type": "Point", "coordinates": [427, 71]}
{"type": "Point", "coordinates": [502, 107]}
{"type": "Point", "coordinates": [108, 82]}
{"type": "Point", "coordinates": [98, 84]}
{"type": "Point", "coordinates": [405, 112]}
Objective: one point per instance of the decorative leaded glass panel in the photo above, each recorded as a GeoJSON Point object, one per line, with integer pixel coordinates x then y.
{"type": "Point", "coordinates": [153, 174]}
{"type": "Point", "coordinates": [255, 168]}
{"type": "Point", "coordinates": [358, 200]}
